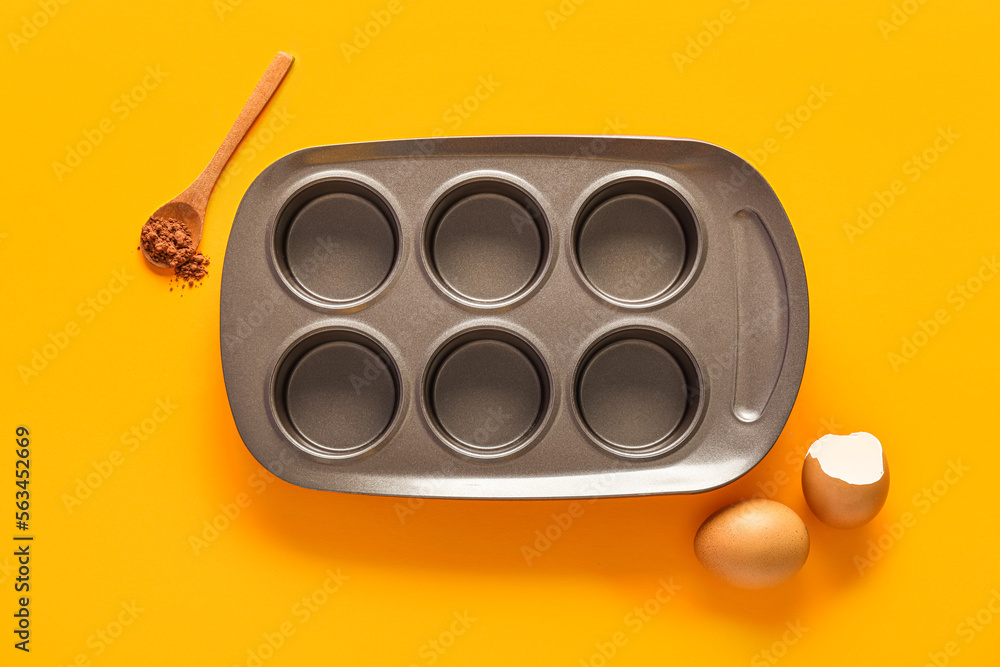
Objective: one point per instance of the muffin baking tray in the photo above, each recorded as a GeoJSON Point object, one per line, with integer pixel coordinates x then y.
{"type": "Point", "coordinates": [512, 317]}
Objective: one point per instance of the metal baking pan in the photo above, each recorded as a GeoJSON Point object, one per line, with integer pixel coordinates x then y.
{"type": "Point", "coordinates": [512, 317]}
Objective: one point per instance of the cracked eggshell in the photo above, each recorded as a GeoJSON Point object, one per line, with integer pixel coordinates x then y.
{"type": "Point", "coordinates": [753, 544]}
{"type": "Point", "coordinates": [845, 479]}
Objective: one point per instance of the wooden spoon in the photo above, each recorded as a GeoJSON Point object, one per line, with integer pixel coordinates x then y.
{"type": "Point", "coordinates": [189, 206]}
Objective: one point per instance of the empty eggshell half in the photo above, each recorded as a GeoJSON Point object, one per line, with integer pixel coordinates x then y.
{"type": "Point", "coordinates": [753, 544]}
{"type": "Point", "coordinates": [845, 479]}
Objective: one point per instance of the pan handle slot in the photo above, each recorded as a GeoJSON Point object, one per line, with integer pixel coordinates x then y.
{"type": "Point", "coordinates": [761, 315]}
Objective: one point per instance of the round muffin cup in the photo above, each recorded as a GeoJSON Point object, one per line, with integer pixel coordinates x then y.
{"type": "Point", "coordinates": [635, 242]}
{"type": "Point", "coordinates": [486, 242]}
{"type": "Point", "coordinates": [486, 392]}
{"type": "Point", "coordinates": [637, 392]}
{"type": "Point", "coordinates": [336, 393]}
{"type": "Point", "coordinates": [336, 243]}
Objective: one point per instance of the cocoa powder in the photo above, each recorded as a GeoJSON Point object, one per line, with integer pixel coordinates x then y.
{"type": "Point", "coordinates": [168, 241]}
{"type": "Point", "coordinates": [193, 270]}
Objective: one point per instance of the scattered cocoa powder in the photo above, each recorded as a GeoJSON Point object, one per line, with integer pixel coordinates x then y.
{"type": "Point", "coordinates": [168, 241]}
{"type": "Point", "coordinates": [192, 270]}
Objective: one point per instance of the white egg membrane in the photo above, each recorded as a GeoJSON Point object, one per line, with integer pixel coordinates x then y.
{"type": "Point", "coordinates": [854, 458]}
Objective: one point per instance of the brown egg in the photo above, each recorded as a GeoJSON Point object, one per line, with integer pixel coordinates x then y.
{"type": "Point", "coordinates": [753, 544]}
{"type": "Point", "coordinates": [845, 479]}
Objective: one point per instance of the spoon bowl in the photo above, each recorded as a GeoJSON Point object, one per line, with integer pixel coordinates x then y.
{"type": "Point", "coordinates": [183, 212]}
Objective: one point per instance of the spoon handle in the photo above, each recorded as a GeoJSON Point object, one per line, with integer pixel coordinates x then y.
{"type": "Point", "coordinates": [198, 192]}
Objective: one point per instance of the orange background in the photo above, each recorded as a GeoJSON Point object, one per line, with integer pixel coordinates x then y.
{"type": "Point", "coordinates": [116, 578]}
